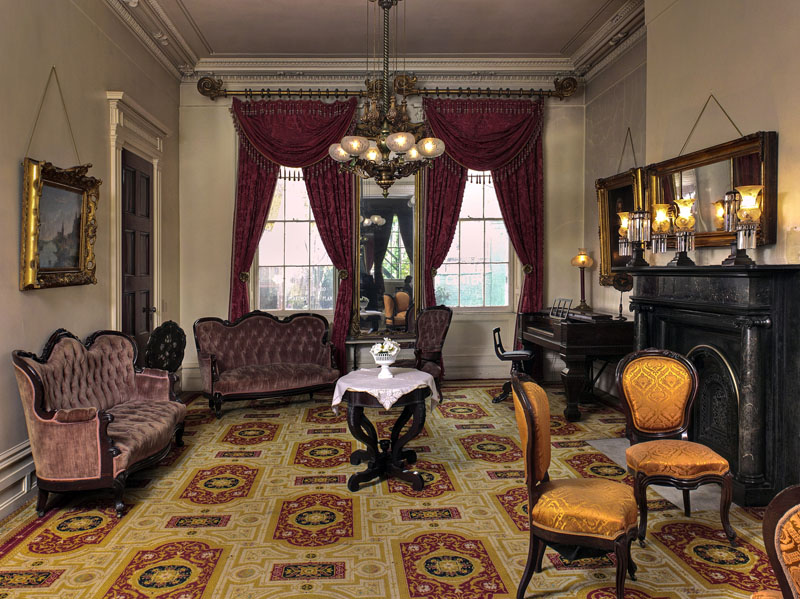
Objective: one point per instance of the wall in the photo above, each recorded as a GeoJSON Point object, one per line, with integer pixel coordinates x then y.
{"type": "Point", "coordinates": [748, 62]}
{"type": "Point", "coordinates": [93, 53]}
{"type": "Point", "coordinates": [208, 175]}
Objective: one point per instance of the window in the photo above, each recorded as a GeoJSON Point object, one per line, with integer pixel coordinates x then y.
{"type": "Point", "coordinates": [396, 263]}
{"type": "Point", "coordinates": [476, 271]}
{"type": "Point", "coordinates": [294, 271]}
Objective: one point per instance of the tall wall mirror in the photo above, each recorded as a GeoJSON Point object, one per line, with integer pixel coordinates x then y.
{"type": "Point", "coordinates": [706, 175]}
{"type": "Point", "coordinates": [388, 246]}
{"type": "Point", "coordinates": [616, 195]}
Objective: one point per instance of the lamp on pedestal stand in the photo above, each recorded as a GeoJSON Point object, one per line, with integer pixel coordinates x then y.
{"type": "Point", "coordinates": [582, 261]}
{"type": "Point", "coordinates": [748, 218]}
{"type": "Point", "coordinates": [639, 235]}
{"type": "Point", "coordinates": [684, 232]}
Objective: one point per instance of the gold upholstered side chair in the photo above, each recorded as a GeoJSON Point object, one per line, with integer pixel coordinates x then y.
{"type": "Point", "coordinates": [659, 387]}
{"type": "Point", "coordinates": [782, 541]}
{"type": "Point", "coordinates": [588, 512]}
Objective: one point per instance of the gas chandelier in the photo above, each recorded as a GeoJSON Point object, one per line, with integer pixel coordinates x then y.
{"type": "Point", "coordinates": [387, 149]}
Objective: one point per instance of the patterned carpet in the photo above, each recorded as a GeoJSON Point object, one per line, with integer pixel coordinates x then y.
{"type": "Point", "coordinates": [255, 506]}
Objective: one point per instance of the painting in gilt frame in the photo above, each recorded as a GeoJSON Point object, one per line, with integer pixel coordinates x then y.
{"type": "Point", "coordinates": [58, 225]}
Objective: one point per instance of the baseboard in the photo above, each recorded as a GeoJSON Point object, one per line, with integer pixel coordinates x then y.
{"type": "Point", "coordinates": [17, 478]}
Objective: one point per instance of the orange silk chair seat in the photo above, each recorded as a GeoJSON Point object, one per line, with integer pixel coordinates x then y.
{"type": "Point", "coordinates": [675, 458]}
{"type": "Point", "coordinates": [767, 595]}
{"type": "Point", "coordinates": [593, 507]}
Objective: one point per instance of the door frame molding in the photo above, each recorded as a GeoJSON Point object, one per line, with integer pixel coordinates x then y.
{"type": "Point", "coordinates": [133, 128]}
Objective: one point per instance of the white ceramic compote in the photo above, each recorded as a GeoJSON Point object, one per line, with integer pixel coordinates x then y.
{"type": "Point", "coordinates": [384, 354]}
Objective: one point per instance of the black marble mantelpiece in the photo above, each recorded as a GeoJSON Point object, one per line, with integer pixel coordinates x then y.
{"type": "Point", "coordinates": [739, 325]}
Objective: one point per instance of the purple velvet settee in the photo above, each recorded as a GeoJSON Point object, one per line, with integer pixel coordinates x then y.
{"type": "Point", "coordinates": [260, 355]}
{"type": "Point", "coordinates": [93, 418]}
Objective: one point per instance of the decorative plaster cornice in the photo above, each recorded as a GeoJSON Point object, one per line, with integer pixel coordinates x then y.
{"type": "Point", "coordinates": [630, 15]}
{"type": "Point", "coordinates": [620, 49]}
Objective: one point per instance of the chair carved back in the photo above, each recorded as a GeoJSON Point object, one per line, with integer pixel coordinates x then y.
{"type": "Point", "coordinates": [165, 347]}
{"type": "Point", "coordinates": [432, 326]}
{"type": "Point", "coordinates": [781, 529]}
{"type": "Point", "coordinates": [532, 411]}
{"type": "Point", "coordinates": [658, 387]}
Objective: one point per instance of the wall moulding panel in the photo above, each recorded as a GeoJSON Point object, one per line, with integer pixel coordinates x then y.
{"type": "Point", "coordinates": [17, 478]}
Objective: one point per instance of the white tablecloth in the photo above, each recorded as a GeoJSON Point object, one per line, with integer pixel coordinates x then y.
{"type": "Point", "coordinates": [386, 391]}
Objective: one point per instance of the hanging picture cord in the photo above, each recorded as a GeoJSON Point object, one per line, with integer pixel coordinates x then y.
{"type": "Point", "coordinates": [628, 136]}
{"type": "Point", "coordinates": [699, 116]}
{"type": "Point", "coordinates": [53, 73]}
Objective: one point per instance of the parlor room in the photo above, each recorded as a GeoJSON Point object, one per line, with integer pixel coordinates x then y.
{"type": "Point", "coordinates": [361, 299]}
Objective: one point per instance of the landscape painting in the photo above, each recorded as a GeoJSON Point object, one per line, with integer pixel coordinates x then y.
{"type": "Point", "coordinates": [60, 210]}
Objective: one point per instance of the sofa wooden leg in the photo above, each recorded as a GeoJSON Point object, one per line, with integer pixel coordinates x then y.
{"type": "Point", "coordinates": [179, 435]}
{"type": "Point", "coordinates": [119, 488]}
{"type": "Point", "coordinates": [217, 406]}
{"type": "Point", "coordinates": [41, 502]}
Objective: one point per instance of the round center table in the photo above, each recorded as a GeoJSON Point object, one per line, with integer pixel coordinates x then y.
{"type": "Point", "coordinates": [409, 388]}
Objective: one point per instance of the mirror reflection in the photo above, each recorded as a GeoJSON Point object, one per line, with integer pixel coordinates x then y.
{"type": "Point", "coordinates": [386, 256]}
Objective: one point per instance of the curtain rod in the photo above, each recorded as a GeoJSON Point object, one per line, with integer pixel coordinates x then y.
{"type": "Point", "coordinates": [213, 88]}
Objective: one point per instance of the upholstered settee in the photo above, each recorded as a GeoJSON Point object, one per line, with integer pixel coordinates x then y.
{"type": "Point", "coordinates": [260, 355]}
{"type": "Point", "coordinates": [94, 418]}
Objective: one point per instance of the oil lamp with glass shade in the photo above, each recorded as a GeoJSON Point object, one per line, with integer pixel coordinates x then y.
{"type": "Point", "coordinates": [582, 261]}
{"type": "Point", "coordinates": [748, 218]}
{"type": "Point", "coordinates": [661, 227]}
{"type": "Point", "coordinates": [684, 232]}
{"type": "Point", "coordinates": [624, 244]}
{"type": "Point", "coordinates": [639, 235]}
{"type": "Point", "coordinates": [730, 205]}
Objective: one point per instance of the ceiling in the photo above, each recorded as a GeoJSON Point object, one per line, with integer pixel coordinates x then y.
{"type": "Point", "coordinates": [201, 35]}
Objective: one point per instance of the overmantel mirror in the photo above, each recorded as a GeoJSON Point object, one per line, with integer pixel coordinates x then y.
{"type": "Point", "coordinates": [708, 174]}
{"type": "Point", "coordinates": [617, 196]}
{"type": "Point", "coordinates": [387, 249]}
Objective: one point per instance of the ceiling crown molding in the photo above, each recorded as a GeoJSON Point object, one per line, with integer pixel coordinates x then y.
{"type": "Point", "coordinates": [154, 29]}
{"type": "Point", "coordinates": [627, 20]}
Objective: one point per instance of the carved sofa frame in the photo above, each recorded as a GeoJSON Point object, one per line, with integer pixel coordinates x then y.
{"type": "Point", "coordinates": [92, 416]}
{"type": "Point", "coordinates": [260, 355]}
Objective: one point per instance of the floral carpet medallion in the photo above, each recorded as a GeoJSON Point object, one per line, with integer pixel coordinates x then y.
{"type": "Point", "coordinates": [630, 593]}
{"type": "Point", "coordinates": [496, 449]}
{"type": "Point", "coordinates": [176, 570]}
{"type": "Point", "coordinates": [515, 505]}
{"type": "Point", "coordinates": [561, 427]}
{"type": "Point", "coordinates": [197, 521]}
{"type": "Point", "coordinates": [327, 431]}
{"type": "Point", "coordinates": [474, 426]}
{"type": "Point", "coordinates": [315, 520]}
{"type": "Point", "coordinates": [323, 453]}
{"type": "Point", "coordinates": [443, 513]}
{"type": "Point", "coordinates": [461, 410]}
{"type": "Point", "coordinates": [20, 579]}
{"type": "Point", "coordinates": [569, 444]}
{"type": "Point", "coordinates": [74, 528]}
{"type": "Point", "coordinates": [449, 566]}
{"type": "Point", "coordinates": [585, 563]}
{"type": "Point", "coordinates": [321, 479]}
{"type": "Point", "coordinates": [437, 481]}
{"type": "Point", "coordinates": [238, 453]}
{"type": "Point", "coordinates": [308, 571]}
{"type": "Point", "coordinates": [325, 415]}
{"type": "Point", "coordinates": [707, 551]}
{"type": "Point", "coordinates": [505, 474]}
{"type": "Point", "coordinates": [250, 433]}
{"type": "Point", "coordinates": [598, 465]}
{"type": "Point", "coordinates": [221, 484]}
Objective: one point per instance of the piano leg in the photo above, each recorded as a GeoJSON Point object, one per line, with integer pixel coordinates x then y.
{"type": "Point", "coordinates": [574, 379]}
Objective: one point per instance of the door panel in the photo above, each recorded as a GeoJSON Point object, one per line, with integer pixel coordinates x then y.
{"type": "Point", "coordinates": [137, 249]}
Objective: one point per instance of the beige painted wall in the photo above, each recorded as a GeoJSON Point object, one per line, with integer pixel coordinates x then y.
{"type": "Point", "coordinates": [208, 175]}
{"type": "Point", "coordinates": [747, 53]}
{"type": "Point", "coordinates": [93, 53]}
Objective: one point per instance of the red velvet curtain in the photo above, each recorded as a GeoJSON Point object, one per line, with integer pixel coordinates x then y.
{"type": "Point", "coordinates": [503, 136]}
{"type": "Point", "coordinates": [295, 134]}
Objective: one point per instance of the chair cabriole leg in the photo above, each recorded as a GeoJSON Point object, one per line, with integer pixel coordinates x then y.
{"type": "Point", "coordinates": [725, 507]}
{"type": "Point", "coordinates": [640, 493]}
{"type": "Point", "coordinates": [622, 552]}
{"type": "Point", "coordinates": [41, 502]}
{"type": "Point", "coordinates": [533, 552]}
{"type": "Point", "coordinates": [687, 505]}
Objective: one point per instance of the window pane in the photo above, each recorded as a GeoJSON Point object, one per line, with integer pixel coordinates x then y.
{"type": "Point", "coordinates": [452, 255]}
{"type": "Point", "coordinates": [472, 205]}
{"type": "Point", "coordinates": [446, 285]}
{"type": "Point", "coordinates": [270, 288]}
{"type": "Point", "coordinates": [297, 288]}
{"type": "Point", "coordinates": [318, 253]}
{"type": "Point", "coordinates": [297, 200]}
{"type": "Point", "coordinates": [322, 288]}
{"type": "Point", "coordinates": [276, 208]}
{"type": "Point", "coordinates": [471, 281]}
{"type": "Point", "coordinates": [491, 206]}
{"type": "Point", "coordinates": [296, 243]}
{"type": "Point", "coordinates": [270, 250]}
{"type": "Point", "coordinates": [496, 241]}
{"type": "Point", "coordinates": [472, 241]}
{"type": "Point", "coordinates": [496, 285]}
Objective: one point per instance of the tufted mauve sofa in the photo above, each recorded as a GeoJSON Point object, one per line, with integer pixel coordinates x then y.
{"type": "Point", "coordinates": [260, 355]}
{"type": "Point", "coordinates": [93, 418]}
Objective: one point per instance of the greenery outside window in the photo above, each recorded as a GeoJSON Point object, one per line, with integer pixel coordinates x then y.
{"type": "Point", "coordinates": [294, 270]}
{"type": "Point", "coordinates": [477, 270]}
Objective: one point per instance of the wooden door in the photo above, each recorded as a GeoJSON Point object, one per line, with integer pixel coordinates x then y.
{"type": "Point", "coordinates": [137, 249]}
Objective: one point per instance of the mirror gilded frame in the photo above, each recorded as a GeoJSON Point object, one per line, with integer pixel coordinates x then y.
{"type": "Point", "coordinates": [763, 145]}
{"type": "Point", "coordinates": [418, 254]}
{"type": "Point", "coordinates": [622, 192]}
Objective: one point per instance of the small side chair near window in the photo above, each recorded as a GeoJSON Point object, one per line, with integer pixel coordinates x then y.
{"type": "Point", "coordinates": [659, 387]}
{"type": "Point", "coordinates": [592, 513]}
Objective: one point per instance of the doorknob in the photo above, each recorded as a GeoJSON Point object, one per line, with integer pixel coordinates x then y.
{"type": "Point", "coordinates": [146, 309]}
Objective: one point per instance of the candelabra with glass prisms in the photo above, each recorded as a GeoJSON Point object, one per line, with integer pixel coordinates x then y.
{"type": "Point", "coordinates": [748, 218]}
{"type": "Point", "coordinates": [624, 244]}
{"type": "Point", "coordinates": [639, 235]}
{"type": "Point", "coordinates": [684, 232]}
{"type": "Point", "coordinates": [661, 227]}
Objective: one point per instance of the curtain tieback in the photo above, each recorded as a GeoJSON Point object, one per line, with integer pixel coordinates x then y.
{"type": "Point", "coordinates": [343, 274]}
{"type": "Point", "coordinates": [433, 272]}
{"type": "Point", "coordinates": [244, 277]}
{"type": "Point", "coordinates": [527, 269]}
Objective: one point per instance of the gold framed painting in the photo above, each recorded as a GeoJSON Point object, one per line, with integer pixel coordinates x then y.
{"type": "Point", "coordinates": [59, 225]}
